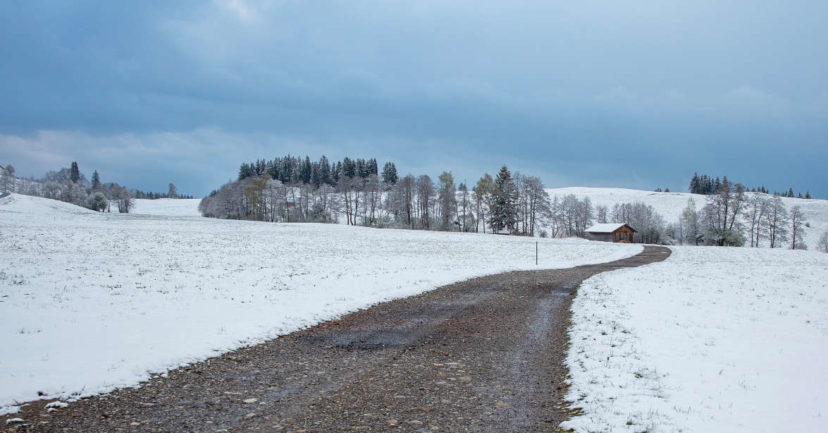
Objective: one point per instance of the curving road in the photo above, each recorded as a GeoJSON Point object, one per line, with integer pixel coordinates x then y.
{"type": "Point", "coordinates": [483, 355]}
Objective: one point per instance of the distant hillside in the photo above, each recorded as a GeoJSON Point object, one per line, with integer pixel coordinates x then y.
{"type": "Point", "coordinates": [671, 204]}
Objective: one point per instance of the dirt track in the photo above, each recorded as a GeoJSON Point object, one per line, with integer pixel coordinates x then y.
{"type": "Point", "coordinates": [483, 355]}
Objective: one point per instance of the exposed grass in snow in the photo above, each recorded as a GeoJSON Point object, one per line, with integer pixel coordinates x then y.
{"type": "Point", "coordinates": [90, 302]}
{"type": "Point", "coordinates": [713, 339]}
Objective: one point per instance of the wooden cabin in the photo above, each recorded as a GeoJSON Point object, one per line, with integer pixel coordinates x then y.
{"type": "Point", "coordinates": [611, 232]}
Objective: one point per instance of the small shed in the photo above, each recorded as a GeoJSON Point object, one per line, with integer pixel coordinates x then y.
{"type": "Point", "coordinates": [611, 232]}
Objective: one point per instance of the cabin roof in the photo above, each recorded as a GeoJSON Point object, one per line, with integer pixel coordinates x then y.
{"type": "Point", "coordinates": [607, 228]}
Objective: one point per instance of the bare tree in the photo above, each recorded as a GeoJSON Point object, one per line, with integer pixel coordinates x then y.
{"type": "Point", "coordinates": [823, 243]}
{"type": "Point", "coordinates": [482, 191]}
{"type": "Point", "coordinates": [8, 177]}
{"type": "Point", "coordinates": [690, 226]}
{"type": "Point", "coordinates": [757, 207]}
{"type": "Point", "coordinates": [721, 215]}
{"type": "Point", "coordinates": [425, 196]}
{"type": "Point", "coordinates": [447, 195]}
{"type": "Point", "coordinates": [776, 220]}
{"type": "Point", "coordinates": [798, 229]}
{"type": "Point", "coordinates": [602, 212]}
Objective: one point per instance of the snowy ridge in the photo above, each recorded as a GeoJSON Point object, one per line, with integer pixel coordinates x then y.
{"type": "Point", "coordinates": [91, 302]}
{"type": "Point", "coordinates": [713, 339]}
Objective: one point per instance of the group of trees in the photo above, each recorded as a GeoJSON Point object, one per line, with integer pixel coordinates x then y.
{"type": "Point", "coordinates": [506, 203]}
{"type": "Point", "coordinates": [735, 217]}
{"type": "Point", "coordinates": [70, 185]}
{"type": "Point", "coordinates": [292, 170]}
{"type": "Point", "coordinates": [707, 185]}
{"type": "Point", "coordinates": [293, 189]}
{"type": "Point", "coordinates": [172, 192]}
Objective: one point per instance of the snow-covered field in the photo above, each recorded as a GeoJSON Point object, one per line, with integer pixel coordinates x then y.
{"type": "Point", "coordinates": [713, 339]}
{"type": "Point", "coordinates": [671, 204]}
{"type": "Point", "coordinates": [90, 302]}
{"type": "Point", "coordinates": [167, 207]}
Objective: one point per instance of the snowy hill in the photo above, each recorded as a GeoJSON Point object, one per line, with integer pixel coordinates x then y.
{"type": "Point", "coordinates": [167, 207]}
{"type": "Point", "coordinates": [671, 204]}
{"type": "Point", "coordinates": [24, 205]}
{"type": "Point", "coordinates": [91, 301]}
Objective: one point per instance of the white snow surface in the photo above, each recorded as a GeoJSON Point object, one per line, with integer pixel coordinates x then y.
{"type": "Point", "coordinates": [671, 204]}
{"type": "Point", "coordinates": [167, 207]}
{"type": "Point", "coordinates": [90, 302]}
{"type": "Point", "coordinates": [713, 339]}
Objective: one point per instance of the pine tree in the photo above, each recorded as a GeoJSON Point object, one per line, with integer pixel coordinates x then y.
{"type": "Point", "coordinates": [503, 212]}
{"type": "Point", "coordinates": [336, 173]}
{"type": "Point", "coordinates": [372, 167]}
{"type": "Point", "coordinates": [389, 173]}
{"type": "Point", "coordinates": [325, 171]}
{"type": "Point", "coordinates": [74, 172]}
{"type": "Point", "coordinates": [348, 168]}
{"type": "Point", "coordinates": [96, 181]}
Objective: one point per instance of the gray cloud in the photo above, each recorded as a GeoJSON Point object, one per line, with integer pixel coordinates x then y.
{"type": "Point", "coordinates": [628, 94]}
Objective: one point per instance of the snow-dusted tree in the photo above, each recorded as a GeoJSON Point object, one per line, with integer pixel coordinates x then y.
{"type": "Point", "coordinates": [822, 245]}
{"type": "Point", "coordinates": [447, 195]}
{"type": "Point", "coordinates": [8, 177]}
{"type": "Point", "coordinates": [406, 191]}
{"type": "Point", "coordinates": [98, 202]}
{"type": "Point", "coordinates": [798, 229]}
{"type": "Point", "coordinates": [96, 181]}
{"type": "Point", "coordinates": [389, 173]}
{"type": "Point", "coordinates": [372, 199]}
{"type": "Point", "coordinates": [425, 198]}
{"type": "Point", "coordinates": [124, 199]}
{"type": "Point", "coordinates": [463, 207]}
{"type": "Point", "coordinates": [776, 220]}
{"type": "Point", "coordinates": [350, 187]}
{"type": "Point", "coordinates": [536, 207]}
{"type": "Point", "coordinates": [602, 213]}
{"type": "Point", "coordinates": [690, 227]}
{"type": "Point", "coordinates": [74, 172]}
{"type": "Point", "coordinates": [757, 207]}
{"type": "Point", "coordinates": [482, 192]}
{"type": "Point", "coordinates": [721, 215]}
{"type": "Point", "coordinates": [503, 211]}
{"type": "Point", "coordinates": [172, 192]}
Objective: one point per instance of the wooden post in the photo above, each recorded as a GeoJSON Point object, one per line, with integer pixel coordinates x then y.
{"type": "Point", "coordinates": [536, 253]}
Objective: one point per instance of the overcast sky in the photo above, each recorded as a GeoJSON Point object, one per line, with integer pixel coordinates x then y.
{"type": "Point", "coordinates": [594, 93]}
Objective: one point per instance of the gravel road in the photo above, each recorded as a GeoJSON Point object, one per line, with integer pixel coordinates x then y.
{"type": "Point", "coordinates": [483, 355]}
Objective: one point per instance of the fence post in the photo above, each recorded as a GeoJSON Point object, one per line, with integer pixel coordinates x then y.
{"type": "Point", "coordinates": [536, 253]}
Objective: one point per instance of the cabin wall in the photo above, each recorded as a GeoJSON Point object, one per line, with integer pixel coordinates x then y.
{"type": "Point", "coordinates": [603, 237]}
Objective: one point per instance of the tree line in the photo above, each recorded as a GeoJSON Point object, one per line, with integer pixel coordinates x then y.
{"type": "Point", "coordinates": [70, 185]}
{"type": "Point", "coordinates": [353, 191]}
{"type": "Point", "coordinates": [296, 170]}
{"type": "Point", "coordinates": [707, 185]}
{"type": "Point", "coordinates": [295, 189]}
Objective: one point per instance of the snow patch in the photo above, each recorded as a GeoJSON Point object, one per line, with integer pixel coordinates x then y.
{"type": "Point", "coordinates": [734, 338]}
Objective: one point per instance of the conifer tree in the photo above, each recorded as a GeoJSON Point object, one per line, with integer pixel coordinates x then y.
{"type": "Point", "coordinates": [389, 173]}
{"type": "Point", "coordinates": [96, 181]}
{"type": "Point", "coordinates": [74, 172]}
{"type": "Point", "coordinates": [503, 213]}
